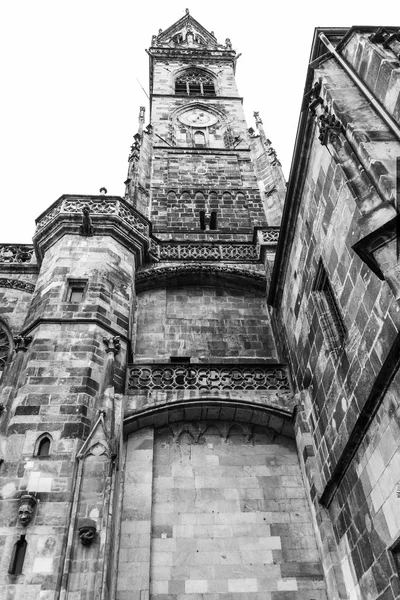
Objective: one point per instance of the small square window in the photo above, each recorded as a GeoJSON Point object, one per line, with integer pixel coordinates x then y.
{"type": "Point", "coordinates": [76, 290]}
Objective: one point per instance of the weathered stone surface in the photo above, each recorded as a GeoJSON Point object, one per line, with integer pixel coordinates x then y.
{"type": "Point", "coordinates": [195, 479]}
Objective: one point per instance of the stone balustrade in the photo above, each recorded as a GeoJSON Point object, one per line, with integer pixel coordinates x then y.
{"type": "Point", "coordinates": [212, 377]}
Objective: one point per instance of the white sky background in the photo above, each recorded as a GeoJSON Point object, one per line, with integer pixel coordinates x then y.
{"type": "Point", "coordinates": [70, 100]}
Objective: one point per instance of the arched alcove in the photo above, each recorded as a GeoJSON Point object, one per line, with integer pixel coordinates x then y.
{"type": "Point", "coordinates": [216, 503]}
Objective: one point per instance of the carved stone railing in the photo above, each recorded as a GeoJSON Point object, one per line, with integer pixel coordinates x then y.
{"type": "Point", "coordinates": [112, 206]}
{"type": "Point", "coordinates": [268, 236]}
{"type": "Point", "coordinates": [215, 251]}
{"type": "Point", "coordinates": [207, 252]}
{"type": "Point", "coordinates": [222, 377]}
{"type": "Point", "coordinates": [16, 254]}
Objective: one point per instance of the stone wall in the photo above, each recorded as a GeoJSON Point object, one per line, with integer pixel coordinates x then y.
{"type": "Point", "coordinates": [343, 191]}
{"type": "Point", "coordinates": [56, 387]}
{"type": "Point", "coordinates": [365, 512]}
{"type": "Point", "coordinates": [378, 67]}
{"type": "Point", "coordinates": [203, 323]}
{"type": "Point", "coordinates": [229, 516]}
{"type": "Point", "coordinates": [186, 183]}
{"type": "Point", "coordinates": [326, 229]}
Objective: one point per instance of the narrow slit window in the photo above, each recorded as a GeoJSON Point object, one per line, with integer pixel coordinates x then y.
{"type": "Point", "coordinates": [208, 221]}
{"type": "Point", "coordinates": [331, 319]}
{"type": "Point", "coordinates": [213, 220]}
{"type": "Point", "coordinates": [18, 556]}
{"type": "Point", "coordinates": [44, 447]}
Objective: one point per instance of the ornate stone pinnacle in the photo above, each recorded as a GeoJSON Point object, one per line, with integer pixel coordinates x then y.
{"type": "Point", "coordinates": [113, 344]}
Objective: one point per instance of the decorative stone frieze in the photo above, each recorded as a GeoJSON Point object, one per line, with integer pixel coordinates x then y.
{"type": "Point", "coordinates": [208, 377]}
{"type": "Point", "coordinates": [17, 284]}
{"type": "Point", "coordinates": [154, 277]}
{"type": "Point", "coordinates": [238, 252]}
{"type": "Point", "coordinates": [269, 236]}
{"type": "Point", "coordinates": [97, 206]}
{"type": "Point", "coordinates": [48, 217]}
{"type": "Point", "coordinates": [109, 215]}
{"type": "Point", "coordinates": [160, 250]}
{"type": "Point", "coordinates": [23, 253]}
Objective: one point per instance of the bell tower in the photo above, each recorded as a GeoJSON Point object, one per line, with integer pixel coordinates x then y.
{"type": "Point", "coordinates": [203, 184]}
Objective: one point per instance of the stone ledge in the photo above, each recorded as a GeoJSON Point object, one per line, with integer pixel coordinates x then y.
{"type": "Point", "coordinates": [210, 408]}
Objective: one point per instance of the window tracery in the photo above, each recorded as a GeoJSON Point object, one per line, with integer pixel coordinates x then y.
{"type": "Point", "coordinates": [194, 82]}
{"type": "Point", "coordinates": [5, 348]}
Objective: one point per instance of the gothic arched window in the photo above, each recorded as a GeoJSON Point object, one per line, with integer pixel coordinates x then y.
{"type": "Point", "coordinates": [194, 82]}
{"type": "Point", "coordinates": [43, 447]}
{"type": "Point", "coordinates": [5, 347]}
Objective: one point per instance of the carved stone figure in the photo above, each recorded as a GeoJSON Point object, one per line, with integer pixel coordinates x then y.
{"type": "Point", "coordinates": [228, 44]}
{"type": "Point", "coordinates": [87, 531]}
{"type": "Point", "coordinates": [87, 227]}
{"type": "Point", "coordinates": [113, 344]}
{"type": "Point", "coordinates": [25, 510]}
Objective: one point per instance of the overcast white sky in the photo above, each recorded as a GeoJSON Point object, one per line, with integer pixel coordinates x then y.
{"type": "Point", "coordinates": [70, 99]}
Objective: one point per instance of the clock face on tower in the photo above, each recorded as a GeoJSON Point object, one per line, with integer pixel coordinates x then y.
{"type": "Point", "coordinates": [198, 118]}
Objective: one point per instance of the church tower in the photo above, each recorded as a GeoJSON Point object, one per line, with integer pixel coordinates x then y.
{"type": "Point", "coordinates": [147, 432]}
{"type": "Point", "coordinates": [212, 503]}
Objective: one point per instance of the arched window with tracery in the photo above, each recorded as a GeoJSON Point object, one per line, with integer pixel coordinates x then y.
{"type": "Point", "coordinates": [5, 347]}
{"type": "Point", "coordinates": [194, 82]}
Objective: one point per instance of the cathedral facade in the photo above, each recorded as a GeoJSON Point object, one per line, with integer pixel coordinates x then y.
{"type": "Point", "coordinates": [200, 388]}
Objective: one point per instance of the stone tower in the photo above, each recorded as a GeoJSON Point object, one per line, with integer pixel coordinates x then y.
{"type": "Point", "coordinates": [167, 434]}
{"type": "Point", "coordinates": [146, 434]}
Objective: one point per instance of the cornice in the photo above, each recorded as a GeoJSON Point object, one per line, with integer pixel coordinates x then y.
{"type": "Point", "coordinates": [204, 99]}
{"type": "Point", "coordinates": [199, 274]}
{"type": "Point", "coordinates": [30, 327]}
{"type": "Point", "coordinates": [199, 53]}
